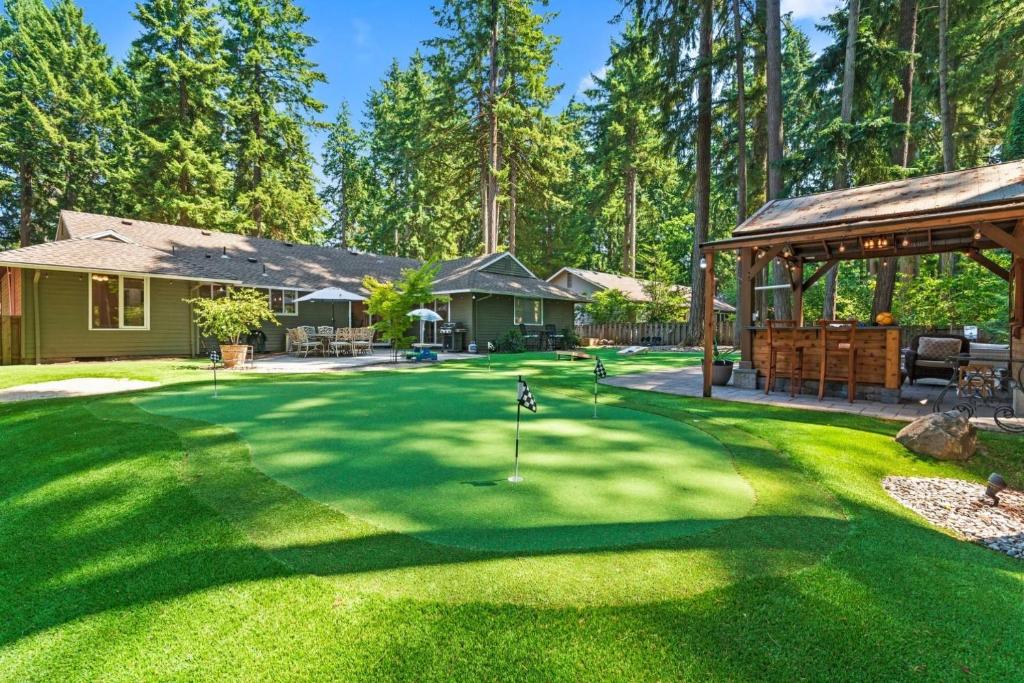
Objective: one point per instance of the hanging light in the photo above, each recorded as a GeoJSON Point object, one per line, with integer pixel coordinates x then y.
{"type": "Point", "coordinates": [842, 247]}
{"type": "Point", "coordinates": [703, 263]}
{"type": "Point", "coordinates": [977, 234]}
{"type": "Point", "coordinates": [906, 241]}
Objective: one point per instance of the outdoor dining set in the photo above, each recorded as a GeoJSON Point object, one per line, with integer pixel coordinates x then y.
{"type": "Point", "coordinates": [325, 340]}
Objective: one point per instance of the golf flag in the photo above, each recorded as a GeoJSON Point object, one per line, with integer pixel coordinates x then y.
{"type": "Point", "coordinates": [490, 347]}
{"type": "Point", "coordinates": [599, 370]}
{"type": "Point", "coordinates": [525, 397]}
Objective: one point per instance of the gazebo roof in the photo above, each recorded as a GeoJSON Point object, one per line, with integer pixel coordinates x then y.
{"type": "Point", "coordinates": [985, 186]}
{"type": "Point", "coordinates": [929, 214]}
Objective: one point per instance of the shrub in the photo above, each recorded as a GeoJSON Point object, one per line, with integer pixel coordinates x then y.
{"type": "Point", "coordinates": [232, 316]}
{"type": "Point", "coordinates": [511, 342]}
{"type": "Point", "coordinates": [572, 340]}
{"type": "Point", "coordinates": [611, 306]}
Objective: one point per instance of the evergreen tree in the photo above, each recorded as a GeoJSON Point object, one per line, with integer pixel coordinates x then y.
{"type": "Point", "coordinates": [1013, 148]}
{"type": "Point", "coordinates": [178, 67]}
{"type": "Point", "coordinates": [270, 93]}
{"type": "Point", "coordinates": [345, 176]}
{"type": "Point", "coordinates": [64, 121]}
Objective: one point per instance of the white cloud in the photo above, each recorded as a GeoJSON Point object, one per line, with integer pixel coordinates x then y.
{"type": "Point", "coordinates": [809, 9]}
{"type": "Point", "coordinates": [362, 36]}
{"type": "Point", "coordinates": [588, 81]}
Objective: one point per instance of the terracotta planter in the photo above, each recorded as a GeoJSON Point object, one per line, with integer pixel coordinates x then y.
{"type": "Point", "coordinates": [232, 354]}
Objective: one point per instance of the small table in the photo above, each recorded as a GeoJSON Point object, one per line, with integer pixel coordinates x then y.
{"type": "Point", "coordinates": [980, 384]}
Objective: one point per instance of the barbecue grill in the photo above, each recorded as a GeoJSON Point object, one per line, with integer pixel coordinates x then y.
{"type": "Point", "coordinates": [453, 337]}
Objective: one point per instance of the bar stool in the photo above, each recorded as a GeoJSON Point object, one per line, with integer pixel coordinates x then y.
{"type": "Point", "coordinates": [838, 337]}
{"type": "Point", "coordinates": [787, 344]}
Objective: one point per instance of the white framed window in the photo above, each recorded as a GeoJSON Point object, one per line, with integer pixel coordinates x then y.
{"type": "Point", "coordinates": [528, 311]}
{"type": "Point", "coordinates": [118, 302]}
{"type": "Point", "coordinates": [283, 301]}
{"type": "Point", "coordinates": [213, 291]}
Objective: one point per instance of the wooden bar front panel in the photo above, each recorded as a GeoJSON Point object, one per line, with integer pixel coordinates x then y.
{"type": "Point", "coordinates": [878, 356]}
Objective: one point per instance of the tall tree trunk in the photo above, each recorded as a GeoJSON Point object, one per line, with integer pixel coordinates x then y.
{"type": "Point", "coordinates": [492, 135]}
{"type": "Point", "coordinates": [702, 183]}
{"type": "Point", "coordinates": [885, 285]}
{"type": "Point", "coordinates": [759, 149]}
{"type": "Point", "coordinates": [846, 116]}
{"type": "Point", "coordinates": [773, 109]}
{"type": "Point", "coordinates": [629, 228]}
{"type": "Point", "coordinates": [946, 261]}
{"type": "Point", "coordinates": [26, 181]}
{"type": "Point", "coordinates": [512, 207]}
{"type": "Point", "coordinates": [741, 138]}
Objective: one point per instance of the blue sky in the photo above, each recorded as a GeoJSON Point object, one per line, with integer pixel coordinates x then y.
{"type": "Point", "coordinates": [358, 40]}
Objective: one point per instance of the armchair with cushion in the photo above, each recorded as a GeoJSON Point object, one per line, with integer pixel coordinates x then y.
{"type": "Point", "coordinates": [929, 353]}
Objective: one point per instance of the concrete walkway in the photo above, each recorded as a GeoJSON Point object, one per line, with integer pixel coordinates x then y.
{"type": "Point", "coordinates": [80, 386]}
{"type": "Point", "coordinates": [381, 360]}
{"type": "Point", "coordinates": [916, 401]}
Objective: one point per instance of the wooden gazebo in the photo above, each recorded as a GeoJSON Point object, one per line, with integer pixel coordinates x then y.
{"type": "Point", "coordinates": [969, 212]}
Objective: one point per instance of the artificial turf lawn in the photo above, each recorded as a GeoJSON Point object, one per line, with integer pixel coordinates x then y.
{"type": "Point", "coordinates": [136, 546]}
{"type": "Point", "coordinates": [429, 452]}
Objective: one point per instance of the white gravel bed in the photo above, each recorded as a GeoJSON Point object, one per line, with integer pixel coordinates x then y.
{"type": "Point", "coordinates": [956, 505]}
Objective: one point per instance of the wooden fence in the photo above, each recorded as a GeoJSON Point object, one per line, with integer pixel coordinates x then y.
{"type": "Point", "coordinates": [651, 334]}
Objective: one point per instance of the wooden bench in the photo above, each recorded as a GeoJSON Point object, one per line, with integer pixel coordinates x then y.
{"type": "Point", "coordinates": [571, 355]}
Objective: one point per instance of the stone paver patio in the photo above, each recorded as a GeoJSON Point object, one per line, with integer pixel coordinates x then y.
{"type": "Point", "coordinates": [916, 400]}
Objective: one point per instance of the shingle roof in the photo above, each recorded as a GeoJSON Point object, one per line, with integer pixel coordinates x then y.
{"type": "Point", "coordinates": [193, 253]}
{"type": "Point", "coordinates": [110, 255]}
{"type": "Point", "coordinates": [943, 192]}
{"type": "Point", "coordinates": [464, 274]}
{"type": "Point", "coordinates": [632, 287]}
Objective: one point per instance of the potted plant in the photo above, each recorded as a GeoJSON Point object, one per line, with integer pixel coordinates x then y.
{"type": "Point", "coordinates": [231, 317]}
{"type": "Point", "coordinates": [721, 367]}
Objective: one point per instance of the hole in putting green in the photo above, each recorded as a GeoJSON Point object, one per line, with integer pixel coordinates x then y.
{"type": "Point", "coordinates": [429, 455]}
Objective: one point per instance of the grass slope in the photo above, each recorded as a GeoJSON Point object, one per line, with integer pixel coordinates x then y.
{"type": "Point", "coordinates": [136, 546]}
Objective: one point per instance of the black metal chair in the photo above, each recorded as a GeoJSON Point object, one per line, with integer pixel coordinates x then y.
{"type": "Point", "coordinates": [553, 339]}
{"type": "Point", "coordinates": [531, 339]}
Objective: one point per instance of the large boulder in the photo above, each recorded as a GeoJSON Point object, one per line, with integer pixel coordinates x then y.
{"type": "Point", "coordinates": [946, 436]}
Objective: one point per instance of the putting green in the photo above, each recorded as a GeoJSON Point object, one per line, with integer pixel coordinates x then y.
{"type": "Point", "coordinates": [427, 453]}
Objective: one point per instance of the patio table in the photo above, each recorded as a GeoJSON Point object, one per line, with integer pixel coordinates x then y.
{"type": "Point", "coordinates": [984, 386]}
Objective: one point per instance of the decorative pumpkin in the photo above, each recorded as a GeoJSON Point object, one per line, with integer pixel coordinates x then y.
{"type": "Point", "coordinates": [884, 318]}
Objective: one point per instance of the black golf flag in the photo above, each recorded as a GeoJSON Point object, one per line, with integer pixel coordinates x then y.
{"type": "Point", "coordinates": [525, 397]}
{"type": "Point", "coordinates": [599, 370]}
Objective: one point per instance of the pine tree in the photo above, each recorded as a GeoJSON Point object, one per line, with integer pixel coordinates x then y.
{"type": "Point", "coordinates": [64, 121]}
{"type": "Point", "coordinates": [1013, 148]}
{"type": "Point", "coordinates": [270, 94]}
{"type": "Point", "coordinates": [345, 178]}
{"type": "Point", "coordinates": [178, 65]}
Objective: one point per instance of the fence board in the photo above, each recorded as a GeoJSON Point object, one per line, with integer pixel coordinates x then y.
{"type": "Point", "coordinates": [651, 334]}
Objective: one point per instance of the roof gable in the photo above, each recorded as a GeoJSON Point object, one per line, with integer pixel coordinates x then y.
{"type": "Point", "coordinates": [506, 264]}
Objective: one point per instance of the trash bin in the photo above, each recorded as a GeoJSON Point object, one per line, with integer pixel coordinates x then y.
{"type": "Point", "coordinates": [258, 341]}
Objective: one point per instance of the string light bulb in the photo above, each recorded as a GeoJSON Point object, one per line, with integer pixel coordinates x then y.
{"type": "Point", "coordinates": [842, 247]}
{"type": "Point", "coordinates": [977, 234]}
{"type": "Point", "coordinates": [906, 241]}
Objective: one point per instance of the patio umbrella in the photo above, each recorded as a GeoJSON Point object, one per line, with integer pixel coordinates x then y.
{"type": "Point", "coordinates": [425, 315]}
{"type": "Point", "coordinates": [334, 295]}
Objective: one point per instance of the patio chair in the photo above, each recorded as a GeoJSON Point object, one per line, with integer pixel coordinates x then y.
{"type": "Point", "coordinates": [553, 338]}
{"type": "Point", "coordinates": [362, 340]}
{"type": "Point", "coordinates": [342, 341]}
{"type": "Point", "coordinates": [325, 331]}
{"type": "Point", "coordinates": [299, 342]}
{"type": "Point", "coordinates": [530, 339]}
{"type": "Point", "coordinates": [929, 354]}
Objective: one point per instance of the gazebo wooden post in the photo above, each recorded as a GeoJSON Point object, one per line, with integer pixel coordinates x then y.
{"type": "Point", "coordinates": [1017, 326]}
{"type": "Point", "coordinates": [709, 318]}
{"type": "Point", "coordinates": [745, 304]}
{"type": "Point", "coordinates": [797, 275]}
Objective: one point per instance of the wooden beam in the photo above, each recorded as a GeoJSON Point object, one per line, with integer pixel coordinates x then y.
{"type": "Point", "coordinates": [759, 264]}
{"type": "Point", "coordinates": [985, 261]}
{"type": "Point", "coordinates": [1004, 239]}
{"type": "Point", "coordinates": [709, 320]}
{"type": "Point", "coordinates": [1017, 299]}
{"type": "Point", "coordinates": [745, 303]}
{"type": "Point", "coordinates": [798, 292]}
{"type": "Point", "coordinates": [819, 273]}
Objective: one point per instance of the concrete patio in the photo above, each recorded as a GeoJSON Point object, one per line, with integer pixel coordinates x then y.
{"type": "Point", "coordinates": [916, 400]}
{"type": "Point", "coordinates": [380, 359]}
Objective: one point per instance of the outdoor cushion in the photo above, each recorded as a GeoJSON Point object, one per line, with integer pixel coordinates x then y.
{"type": "Point", "coordinates": [926, 363]}
{"type": "Point", "coordinates": [1000, 351]}
{"type": "Point", "coordinates": [937, 348]}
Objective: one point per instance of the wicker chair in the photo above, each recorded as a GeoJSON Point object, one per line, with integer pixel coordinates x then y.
{"type": "Point", "coordinates": [299, 342]}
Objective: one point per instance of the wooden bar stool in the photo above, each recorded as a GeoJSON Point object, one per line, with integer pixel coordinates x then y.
{"type": "Point", "coordinates": [838, 339]}
{"type": "Point", "coordinates": [782, 338]}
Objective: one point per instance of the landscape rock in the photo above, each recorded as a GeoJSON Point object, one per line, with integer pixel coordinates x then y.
{"type": "Point", "coordinates": [946, 436]}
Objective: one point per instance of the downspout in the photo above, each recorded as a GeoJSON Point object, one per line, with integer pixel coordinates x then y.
{"type": "Point", "coordinates": [35, 316]}
{"type": "Point", "coordinates": [473, 316]}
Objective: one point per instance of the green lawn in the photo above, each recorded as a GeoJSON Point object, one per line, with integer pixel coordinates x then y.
{"type": "Point", "coordinates": [319, 527]}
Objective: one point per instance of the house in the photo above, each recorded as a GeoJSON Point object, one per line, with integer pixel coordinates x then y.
{"type": "Point", "coordinates": [588, 282]}
{"type": "Point", "coordinates": [112, 287]}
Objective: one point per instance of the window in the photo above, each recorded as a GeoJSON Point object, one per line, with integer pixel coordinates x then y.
{"type": "Point", "coordinates": [529, 311]}
{"type": "Point", "coordinates": [282, 301]}
{"type": "Point", "coordinates": [118, 302]}
{"type": "Point", "coordinates": [212, 291]}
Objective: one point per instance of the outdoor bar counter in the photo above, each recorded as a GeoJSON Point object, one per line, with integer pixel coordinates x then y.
{"type": "Point", "coordinates": [878, 361]}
